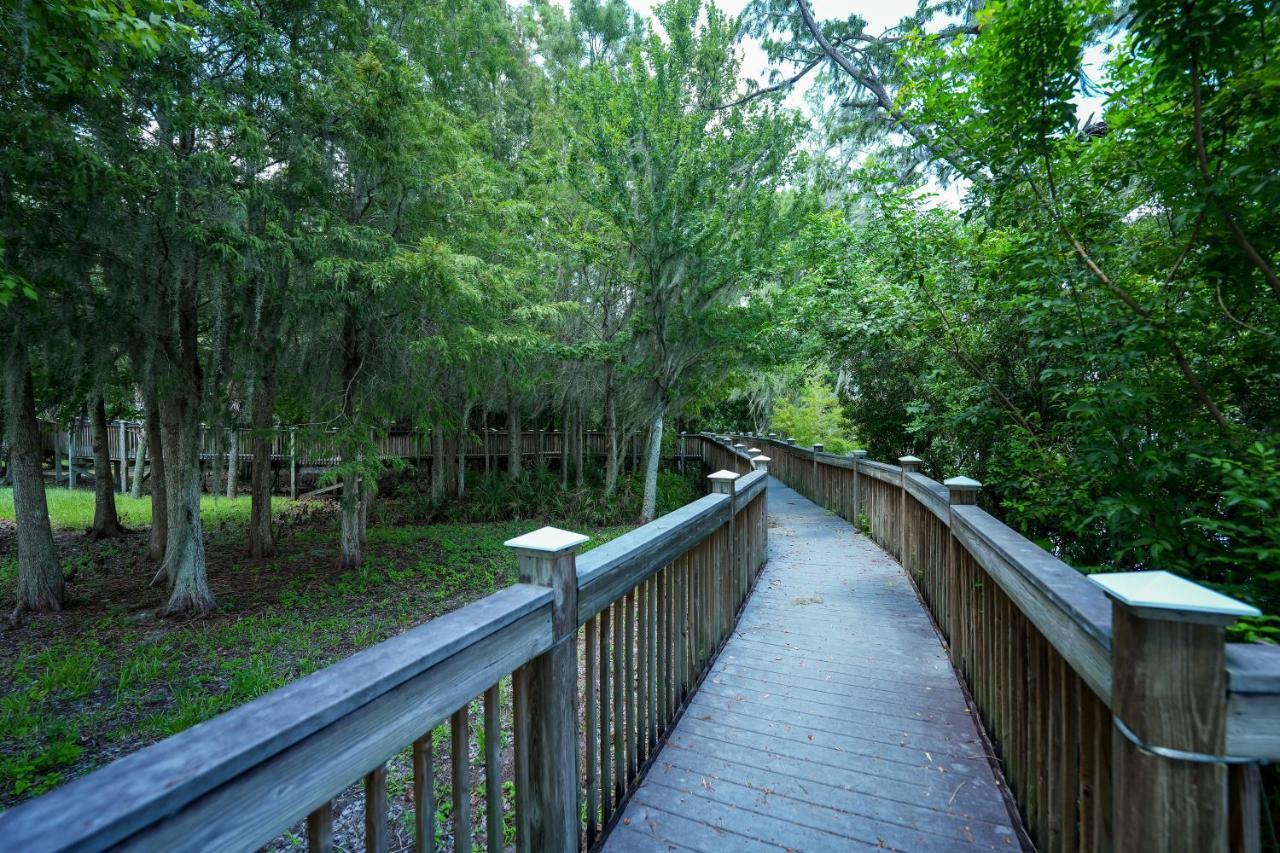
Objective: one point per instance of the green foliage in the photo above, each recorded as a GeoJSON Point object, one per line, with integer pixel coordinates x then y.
{"type": "Point", "coordinates": [73, 509]}
{"type": "Point", "coordinates": [813, 415]}
{"type": "Point", "coordinates": [541, 495]}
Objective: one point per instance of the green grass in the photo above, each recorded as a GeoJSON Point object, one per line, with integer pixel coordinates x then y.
{"type": "Point", "coordinates": [73, 509]}
{"type": "Point", "coordinates": [67, 703]}
{"type": "Point", "coordinates": [105, 677]}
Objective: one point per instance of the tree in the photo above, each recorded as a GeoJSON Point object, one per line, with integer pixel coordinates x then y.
{"type": "Point", "coordinates": [690, 191]}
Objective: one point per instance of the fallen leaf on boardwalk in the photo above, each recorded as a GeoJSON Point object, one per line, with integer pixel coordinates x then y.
{"type": "Point", "coordinates": [928, 756]}
{"type": "Point", "coordinates": [706, 784]}
{"type": "Point", "coordinates": [626, 821]}
{"type": "Point", "coordinates": [810, 737]}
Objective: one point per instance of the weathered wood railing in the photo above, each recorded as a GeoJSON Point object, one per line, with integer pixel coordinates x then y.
{"type": "Point", "coordinates": [300, 448]}
{"type": "Point", "coordinates": [1082, 692]}
{"type": "Point", "coordinates": [319, 447]}
{"type": "Point", "coordinates": [648, 611]}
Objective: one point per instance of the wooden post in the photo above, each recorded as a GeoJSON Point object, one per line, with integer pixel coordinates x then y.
{"type": "Point", "coordinates": [546, 692]}
{"type": "Point", "coordinates": [813, 476]}
{"type": "Point", "coordinates": [683, 435]}
{"type": "Point", "coordinates": [293, 463]}
{"type": "Point", "coordinates": [1169, 693]}
{"type": "Point", "coordinates": [724, 483]}
{"type": "Point", "coordinates": [737, 456]}
{"type": "Point", "coordinates": [858, 456]}
{"type": "Point", "coordinates": [760, 463]}
{"type": "Point", "coordinates": [909, 465]}
{"type": "Point", "coordinates": [961, 491]}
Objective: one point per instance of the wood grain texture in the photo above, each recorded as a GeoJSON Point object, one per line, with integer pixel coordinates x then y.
{"type": "Point", "coordinates": [1170, 689]}
{"type": "Point", "coordinates": [831, 719]}
{"type": "Point", "coordinates": [224, 758]}
{"type": "Point", "coordinates": [424, 795]}
{"type": "Point", "coordinates": [607, 573]}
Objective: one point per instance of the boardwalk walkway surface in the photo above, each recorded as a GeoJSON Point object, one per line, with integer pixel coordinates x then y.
{"type": "Point", "coordinates": [832, 719]}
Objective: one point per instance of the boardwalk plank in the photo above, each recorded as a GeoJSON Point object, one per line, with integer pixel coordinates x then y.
{"type": "Point", "coordinates": [832, 719]}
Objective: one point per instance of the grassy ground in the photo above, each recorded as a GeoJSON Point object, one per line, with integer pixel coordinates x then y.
{"type": "Point", "coordinates": [107, 676]}
{"type": "Point", "coordinates": [73, 510]}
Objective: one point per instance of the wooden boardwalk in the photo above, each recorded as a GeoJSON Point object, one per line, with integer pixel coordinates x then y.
{"type": "Point", "coordinates": [832, 719]}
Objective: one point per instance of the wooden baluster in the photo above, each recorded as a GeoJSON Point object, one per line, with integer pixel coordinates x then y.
{"type": "Point", "coordinates": [642, 666]}
{"type": "Point", "coordinates": [651, 685]}
{"type": "Point", "coordinates": [619, 704]}
{"type": "Point", "coordinates": [606, 762]}
{"type": "Point", "coordinates": [320, 829]}
{"type": "Point", "coordinates": [493, 768]}
{"type": "Point", "coordinates": [460, 758]}
{"type": "Point", "coordinates": [629, 693]}
{"type": "Point", "coordinates": [592, 722]}
{"type": "Point", "coordinates": [424, 795]}
{"type": "Point", "coordinates": [375, 810]}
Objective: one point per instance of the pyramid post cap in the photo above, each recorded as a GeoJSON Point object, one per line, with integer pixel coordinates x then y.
{"type": "Point", "coordinates": [961, 483]}
{"type": "Point", "coordinates": [546, 540]}
{"type": "Point", "coordinates": [1164, 595]}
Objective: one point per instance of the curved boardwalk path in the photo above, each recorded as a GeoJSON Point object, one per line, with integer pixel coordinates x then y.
{"type": "Point", "coordinates": [832, 719]}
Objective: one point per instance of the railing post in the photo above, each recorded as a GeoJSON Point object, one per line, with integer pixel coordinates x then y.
{"type": "Point", "coordinates": [909, 465]}
{"type": "Point", "coordinates": [725, 483]}
{"type": "Point", "coordinates": [546, 699]}
{"type": "Point", "coordinates": [760, 463]}
{"type": "Point", "coordinates": [738, 449]}
{"type": "Point", "coordinates": [858, 456]}
{"type": "Point", "coordinates": [1169, 711]}
{"type": "Point", "coordinates": [813, 476]}
{"type": "Point", "coordinates": [961, 491]}
{"type": "Point", "coordinates": [293, 463]}
{"type": "Point", "coordinates": [683, 438]}
{"type": "Point", "coordinates": [791, 441]}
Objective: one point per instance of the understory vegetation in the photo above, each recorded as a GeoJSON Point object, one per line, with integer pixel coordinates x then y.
{"type": "Point", "coordinates": [106, 676]}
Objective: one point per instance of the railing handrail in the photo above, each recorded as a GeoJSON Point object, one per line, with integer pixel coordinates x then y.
{"type": "Point", "coordinates": [1073, 613]}
{"type": "Point", "coordinates": [111, 804]}
{"type": "Point", "coordinates": [244, 776]}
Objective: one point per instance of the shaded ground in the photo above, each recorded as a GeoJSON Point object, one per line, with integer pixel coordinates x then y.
{"type": "Point", "coordinates": [106, 676]}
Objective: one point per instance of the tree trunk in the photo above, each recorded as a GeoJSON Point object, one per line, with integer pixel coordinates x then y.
{"type": "Point", "coordinates": [219, 443]}
{"type": "Point", "coordinates": [159, 482]}
{"type": "Point", "coordinates": [233, 462]}
{"type": "Point", "coordinates": [579, 440]}
{"type": "Point", "coordinates": [139, 463]}
{"type": "Point", "coordinates": [437, 463]}
{"type": "Point", "coordinates": [350, 556]}
{"type": "Point", "coordinates": [40, 584]}
{"type": "Point", "coordinates": [566, 427]}
{"type": "Point", "coordinates": [515, 436]}
{"type": "Point", "coordinates": [368, 491]}
{"type": "Point", "coordinates": [612, 456]}
{"type": "Point", "coordinates": [652, 458]}
{"type": "Point", "coordinates": [262, 538]}
{"type": "Point", "coordinates": [106, 522]}
{"type": "Point", "coordinates": [184, 557]}
{"type": "Point", "coordinates": [461, 459]}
